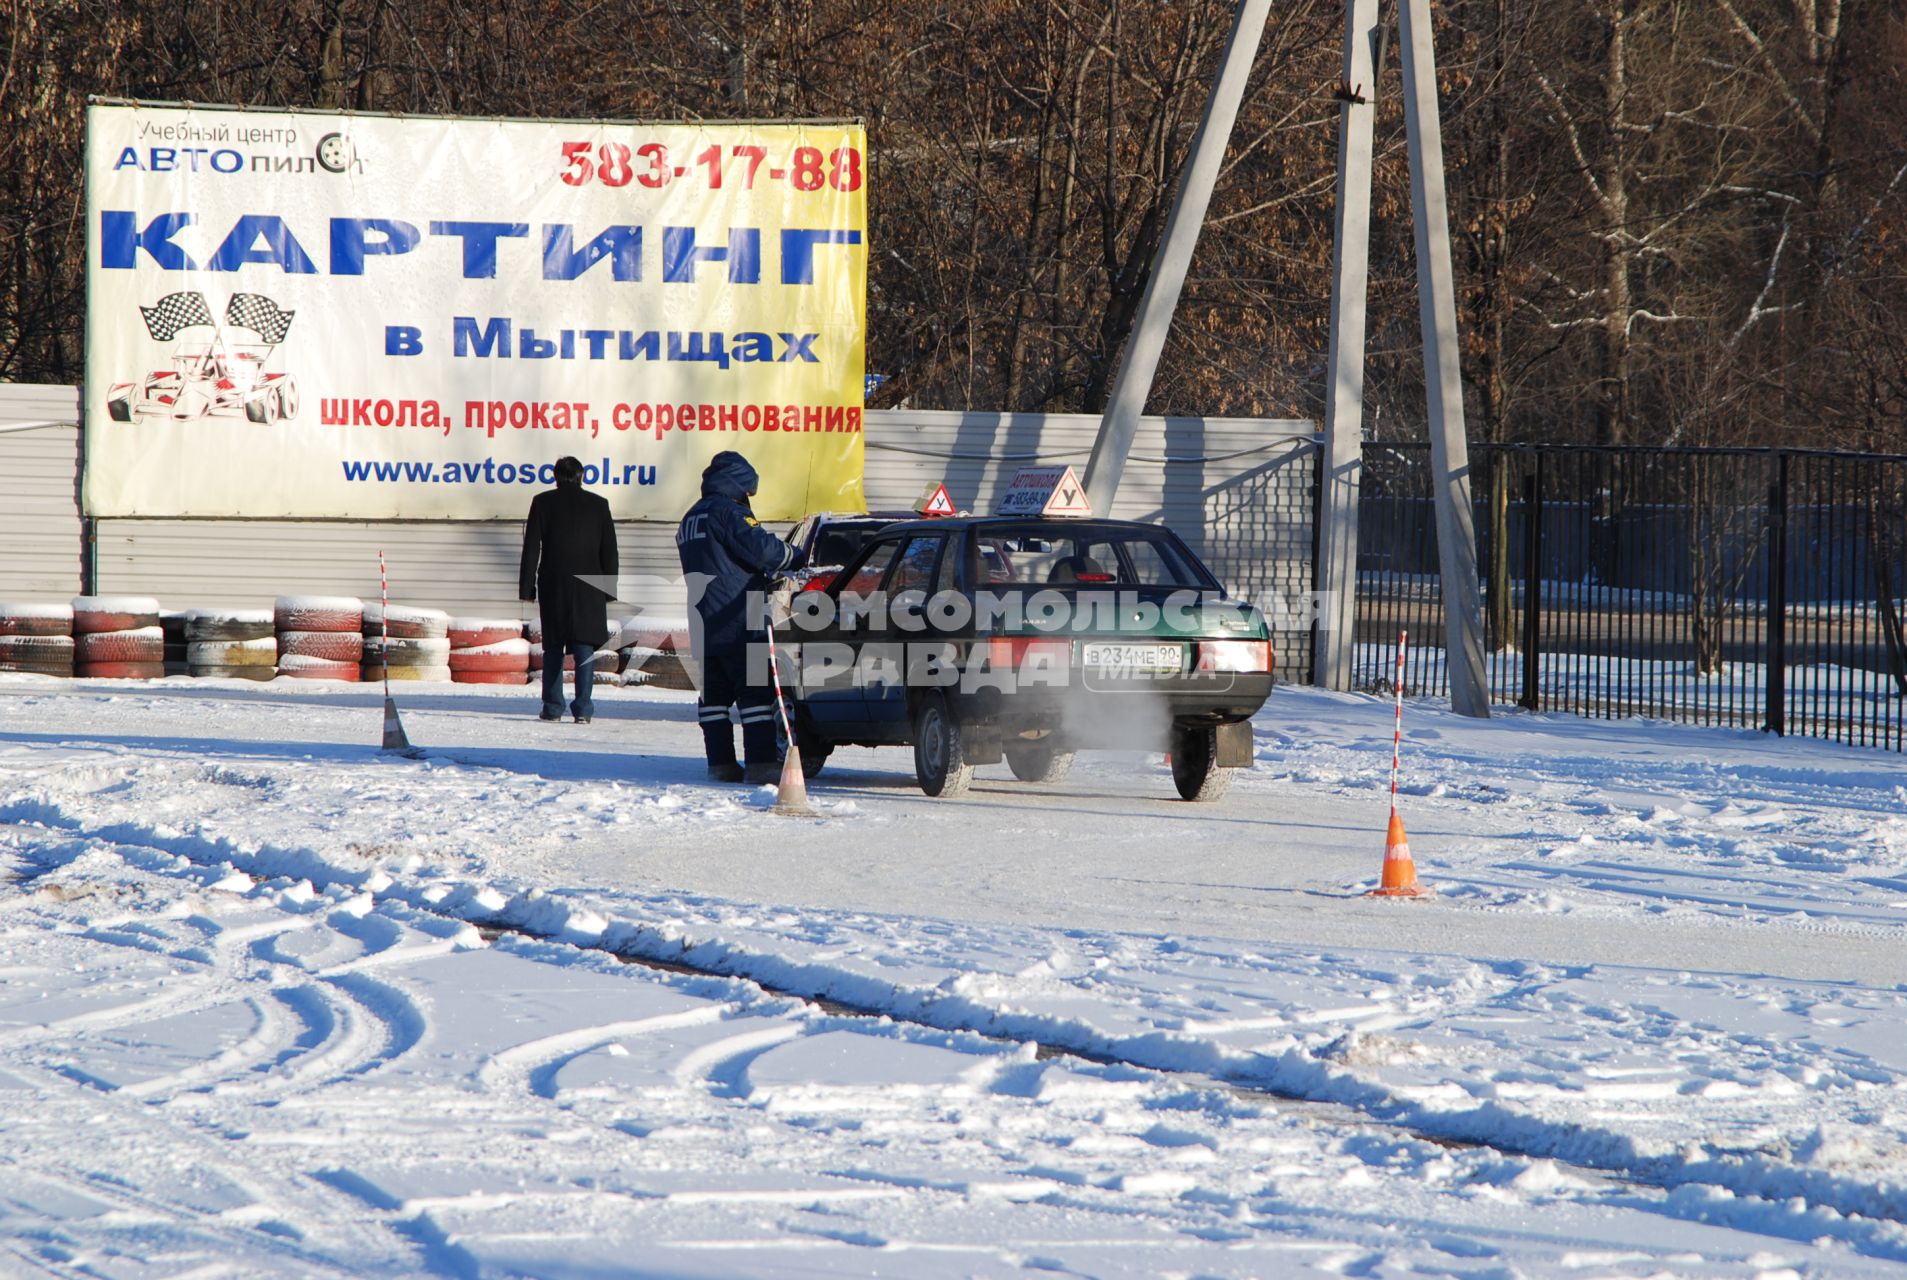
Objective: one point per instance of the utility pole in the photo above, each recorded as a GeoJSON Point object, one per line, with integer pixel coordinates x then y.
{"type": "Point", "coordinates": [1341, 466]}
{"type": "Point", "coordinates": [1134, 382]}
{"type": "Point", "coordinates": [1443, 382]}
{"type": "Point", "coordinates": [1437, 318]}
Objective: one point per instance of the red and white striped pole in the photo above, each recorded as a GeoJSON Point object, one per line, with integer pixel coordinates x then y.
{"type": "Point", "coordinates": [1397, 734]}
{"type": "Point", "coordinates": [395, 738]}
{"type": "Point", "coordinates": [384, 639]}
{"type": "Point", "coordinates": [791, 797]}
{"type": "Point", "coordinates": [1400, 873]}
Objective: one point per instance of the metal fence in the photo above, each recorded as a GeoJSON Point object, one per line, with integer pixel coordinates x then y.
{"type": "Point", "coordinates": [1756, 588]}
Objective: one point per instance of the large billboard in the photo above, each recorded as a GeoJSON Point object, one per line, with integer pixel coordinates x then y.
{"type": "Point", "coordinates": [310, 314]}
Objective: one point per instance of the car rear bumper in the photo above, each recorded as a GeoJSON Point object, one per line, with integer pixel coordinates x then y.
{"type": "Point", "coordinates": [1127, 713]}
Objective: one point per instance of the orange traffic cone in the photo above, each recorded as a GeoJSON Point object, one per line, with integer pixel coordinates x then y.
{"type": "Point", "coordinates": [1400, 873]}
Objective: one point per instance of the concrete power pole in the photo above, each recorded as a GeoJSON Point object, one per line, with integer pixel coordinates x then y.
{"type": "Point", "coordinates": [1134, 382]}
{"type": "Point", "coordinates": [1341, 468]}
{"type": "Point", "coordinates": [1437, 318]}
{"type": "Point", "coordinates": [1437, 314]}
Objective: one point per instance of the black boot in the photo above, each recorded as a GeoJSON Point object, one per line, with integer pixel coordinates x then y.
{"type": "Point", "coordinates": [726, 771]}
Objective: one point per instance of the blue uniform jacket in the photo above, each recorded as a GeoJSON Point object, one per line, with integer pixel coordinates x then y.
{"type": "Point", "coordinates": [723, 547]}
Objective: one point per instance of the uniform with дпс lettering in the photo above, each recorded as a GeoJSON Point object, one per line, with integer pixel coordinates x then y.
{"type": "Point", "coordinates": [726, 555]}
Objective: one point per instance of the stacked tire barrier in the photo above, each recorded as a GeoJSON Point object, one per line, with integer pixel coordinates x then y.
{"type": "Point", "coordinates": [37, 639]}
{"type": "Point", "coordinates": [118, 638]}
{"type": "Point", "coordinates": [231, 644]}
{"type": "Point", "coordinates": [319, 637]}
{"type": "Point", "coordinates": [631, 653]}
{"type": "Point", "coordinates": [606, 668]}
{"type": "Point", "coordinates": [406, 644]}
{"type": "Point", "coordinates": [608, 661]}
{"type": "Point", "coordinates": [653, 645]}
{"type": "Point", "coordinates": [172, 625]}
{"type": "Point", "coordinates": [488, 651]}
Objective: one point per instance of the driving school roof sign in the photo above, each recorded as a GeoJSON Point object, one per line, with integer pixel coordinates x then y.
{"type": "Point", "coordinates": [1044, 491]}
{"type": "Point", "coordinates": [472, 300]}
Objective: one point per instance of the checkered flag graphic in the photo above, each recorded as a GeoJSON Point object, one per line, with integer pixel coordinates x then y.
{"type": "Point", "coordinates": [174, 312]}
{"type": "Point", "coordinates": [260, 314]}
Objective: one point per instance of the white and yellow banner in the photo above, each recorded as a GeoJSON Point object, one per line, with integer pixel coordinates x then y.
{"type": "Point", "coordinates": [362, 317]}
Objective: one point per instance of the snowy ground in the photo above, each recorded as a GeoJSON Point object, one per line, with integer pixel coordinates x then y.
{"type": "Point", "coordinates": [257, 1015]}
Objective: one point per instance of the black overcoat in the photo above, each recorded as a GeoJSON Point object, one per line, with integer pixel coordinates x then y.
{"type": "Point", "coordinates": [569, 546]}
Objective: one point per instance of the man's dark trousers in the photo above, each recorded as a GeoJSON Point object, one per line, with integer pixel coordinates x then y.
{"type": "Point", "coordinates": [553, 655]}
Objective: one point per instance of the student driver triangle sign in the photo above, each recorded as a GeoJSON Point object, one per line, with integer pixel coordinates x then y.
{"type": "Point", "coordinates": [1045, 491]}
{"type": "Point", "coordinates": [936, 502]}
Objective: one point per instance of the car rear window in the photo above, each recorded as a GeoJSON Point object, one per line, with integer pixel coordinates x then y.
{"type": "Point", "coordinates": [1091, 557]}
{"type": "Point", "coordinates": [840, 542]}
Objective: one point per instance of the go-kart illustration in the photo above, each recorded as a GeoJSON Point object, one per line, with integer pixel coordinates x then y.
{"type": "Point", "coordinates": [209, 373]}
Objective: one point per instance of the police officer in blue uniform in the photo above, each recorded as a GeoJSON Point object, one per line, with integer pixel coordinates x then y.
{"type": "Point", "coordinates": [729, 555]}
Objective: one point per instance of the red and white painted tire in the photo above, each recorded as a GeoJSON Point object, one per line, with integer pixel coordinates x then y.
{"type": "Point", "coordinates": [665, 671]}
{"type": "Point", "coordinates": [489, 677]}
{"type": "Point", "coordinates": [401, 622]}
{"type": "Point", "coordinates": [120, 670]}
{"type": "Point", "coordinates": [478, 633]}
{"type": "Point", "coordinates": [401, 651]}
{"type": "Point", "coordinates": [38, 650]}
{"type": "Point", "coordinates": [332, 646]}
{"type": "Point", "coordinates": [233, 653]}
{"type": "Point", "coordinates": [319, 613]}
{"type": "Point", "coordinates": [635, 657]}
{"type": "Point", "coordinates": [654, 631]}
{"type": "Point", "coordinates": [304, 667]}
{"type": "Point", "coordinates": [504, 655]}
{"type": "Point", "coordinates": [114, 613]}
{"type": "Point", "coordinates": [20, 619]}
{"type": "Point", "coordinates": [55, 670]}
{"type": "Point", "coordinates": [216, 671]}
{"type": "Point", "coordinates": [210, 625]}
{"type": "Point", "coordinates": [439, 674]}
{"type": "Point", "coordinates": [145, 644]}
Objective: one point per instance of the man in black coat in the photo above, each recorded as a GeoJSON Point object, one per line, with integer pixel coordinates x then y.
{"type": "Point", "coordinates": [569, 547]}
{"type": "Point", "coordinates": [727, 556]}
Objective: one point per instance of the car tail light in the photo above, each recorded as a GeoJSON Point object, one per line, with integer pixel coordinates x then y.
{"type": "Point", "coordinates": [1234, 655]}
{"type": "Point", "coordinates": [820, 582]}
{"type": "Point", "coordinates": [1018, 652]}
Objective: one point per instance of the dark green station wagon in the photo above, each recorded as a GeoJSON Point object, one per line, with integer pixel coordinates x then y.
{"type": "Point", "coordinates": [970, 638]}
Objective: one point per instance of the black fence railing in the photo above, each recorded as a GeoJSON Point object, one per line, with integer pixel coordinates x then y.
{"type": "Point", "coordinates": [1757, 588]}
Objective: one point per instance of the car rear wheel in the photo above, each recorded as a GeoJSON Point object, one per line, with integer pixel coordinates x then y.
{"type": "Point", "coordinates": [1195, 770]}
{"type": "Point", "coordinates": [940, 751]}
{"type": "Point", "coordinates": [258, 410]}
{"type": "Point", "coordinates": [119, 408]}
{"type": "Point", "coordinates": [1038, 762]}
{"type": "Point", "coordinates": [287, 399]}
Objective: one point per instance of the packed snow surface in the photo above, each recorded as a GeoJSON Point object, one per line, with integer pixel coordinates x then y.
{"type": "Point", "coordinates": [273, 1001]}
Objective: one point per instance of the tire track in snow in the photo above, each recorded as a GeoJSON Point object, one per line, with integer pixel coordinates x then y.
{"type": "Point", "coordinates": [1295, 1076]}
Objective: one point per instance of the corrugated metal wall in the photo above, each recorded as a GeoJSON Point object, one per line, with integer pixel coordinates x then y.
{"type": "Point", "coordinates": [1239, 490]}
{"type": "Point", "coordinates": [41, 541]}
